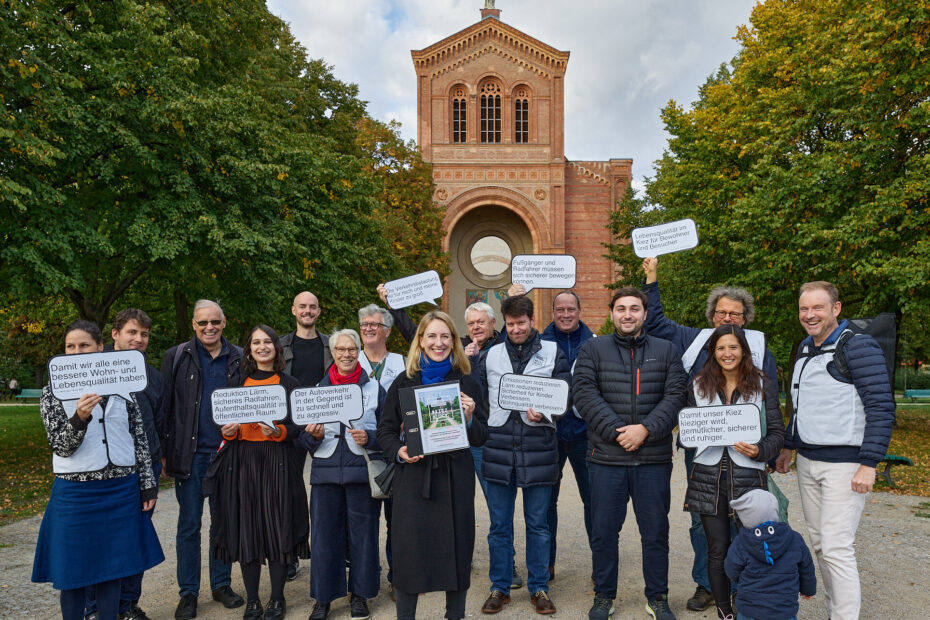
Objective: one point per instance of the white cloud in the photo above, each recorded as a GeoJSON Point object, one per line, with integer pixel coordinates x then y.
{"type": "Point", "coordinates": [629, 57]}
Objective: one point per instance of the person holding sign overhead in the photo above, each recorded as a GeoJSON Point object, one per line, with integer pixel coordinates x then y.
{"type": "Point", "coordinates": [261, 504]}
{"type": "Point", "coordinates": [93, 533]}
{"type": "Point", "coordinates": [342, 512]}
{"type": "Point", "coordinates": [725, 306]}
{"type": "Point", "coordinates": [721, 474]}
{"type": "Point", "coordinates": [434, 496]}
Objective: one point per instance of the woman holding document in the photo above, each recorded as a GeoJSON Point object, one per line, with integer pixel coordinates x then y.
{"type": "Point", "coordinates": [93, 533]}
{"type": "Point", "coordinates": [721, 474]}
{"type": "Point", "coordinates": [434, 495]}
{"type": "Point", "coordinates": [259, 487]}
{"type": "Point", "coordinates": [342, 512]}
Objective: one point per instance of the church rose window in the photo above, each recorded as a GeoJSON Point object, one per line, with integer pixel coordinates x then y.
{"type": "Point", "coordinates": [491, 112]}
{"type": "Point", "coordinates": [458, 114]}
{"type": "Point", "coordinates": [490, 256]}
{"type": "Point", "coordinates": [521, 115]}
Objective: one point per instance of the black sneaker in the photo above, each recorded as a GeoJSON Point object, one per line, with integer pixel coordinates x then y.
{"type": "Point", "coordinates": [133, 613]}
{"type": "Point", "coordinates": [659, 609]}
{"type": "Point", "coordinates": [293, 569]}
{"type": "Point", "coordinates": [253, 610]}
{"type": "Point", "coordinates": [359, 608]}
{"type": "Point", "coordinates": [187, 608]}
{"type": "Point", "coordinates": [227, 597]}
{"type": "Point", "coordinates": [320, 611]}
{"type": "Point", "coordinates": [276, 609]}
{"type": "Point", "coordinates": [602, 609]}
{"type": "Point", "coordinates": [702, 599]}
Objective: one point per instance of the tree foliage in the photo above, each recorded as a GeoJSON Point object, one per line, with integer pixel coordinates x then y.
{"type": "Point", "coordinates": [806, 158]}
{"type": "Point", "coordinates": [154, 153]}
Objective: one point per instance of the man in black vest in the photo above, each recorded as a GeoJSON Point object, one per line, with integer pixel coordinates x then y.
{"type": "Point", "coordinates": [192, 370]}
{"type": "Point", "coordinates": [629, 387]}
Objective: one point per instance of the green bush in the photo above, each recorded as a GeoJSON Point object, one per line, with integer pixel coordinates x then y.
{"type": "Point", "coordinates": [915, 381]}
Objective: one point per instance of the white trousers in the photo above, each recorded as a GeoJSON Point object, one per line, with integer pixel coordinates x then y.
{"type": "Point", "coordinates": [832, 511]}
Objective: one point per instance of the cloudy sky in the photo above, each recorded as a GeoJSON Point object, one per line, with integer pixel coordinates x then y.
{"type": "Point", "coordinates": [628, 57]}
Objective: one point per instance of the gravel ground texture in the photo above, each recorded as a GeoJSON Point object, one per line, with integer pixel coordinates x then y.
{"type": "Point", "coordinates": [893, 549]}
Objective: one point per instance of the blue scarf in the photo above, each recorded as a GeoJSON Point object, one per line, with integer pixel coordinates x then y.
{"type": "Point", "coordinates": [434, 372]}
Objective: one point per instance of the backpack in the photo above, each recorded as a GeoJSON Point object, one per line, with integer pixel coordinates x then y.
{"type": "Point", "coordinates": [883, 328]}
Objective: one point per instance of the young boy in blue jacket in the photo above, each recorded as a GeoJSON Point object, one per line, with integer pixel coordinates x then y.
{"type": "Point", "coordinates": [768, 561]}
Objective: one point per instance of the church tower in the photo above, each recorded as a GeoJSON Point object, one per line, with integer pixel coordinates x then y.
{"type": "Point", "coordinates": [490, 119]}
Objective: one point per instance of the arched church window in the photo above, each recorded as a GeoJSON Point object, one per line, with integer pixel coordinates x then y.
{"type": "Point", "coordinates": [459, 98]}
{"type": "Point", "coordinates": [491, 112]}
{"type": "Point", "coordinates": [521, 115]}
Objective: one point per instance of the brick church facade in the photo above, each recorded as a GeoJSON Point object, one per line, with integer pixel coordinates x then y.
{"type": "Point", "coordinates": [490, 108]}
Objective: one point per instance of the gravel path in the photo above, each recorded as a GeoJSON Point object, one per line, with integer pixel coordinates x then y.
{"type": "Point", "coordinates": [893, 549]}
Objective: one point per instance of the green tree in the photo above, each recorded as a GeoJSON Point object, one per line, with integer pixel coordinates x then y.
{"type": "Point", "coordinates": [806, 158]}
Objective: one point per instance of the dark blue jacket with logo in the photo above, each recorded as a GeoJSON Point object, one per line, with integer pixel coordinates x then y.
{"type": "Point", "coordinates": [569, 427]}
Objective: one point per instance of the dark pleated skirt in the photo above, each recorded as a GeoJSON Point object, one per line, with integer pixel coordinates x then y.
{"type": "Point", "coordinates": [94, 532]}
{"type": "Point", "coordinates": [273, 523]}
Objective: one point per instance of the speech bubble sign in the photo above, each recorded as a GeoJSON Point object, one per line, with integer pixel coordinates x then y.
{"type": "Point", "coordinates": [543, 271]}
{"type": "Point", "coordinates": [545, 395]}
{"type": "Point", "coordinates": [414, 289]}
{"type": "Point", "coordinates": [104, 374]}
{"type": "Point", "coordinates": [719, 425]}
{"type": "Point", "coordinates": [665, 238]}
{"type": "Point", "coordinates": [250, 403]}
{"type": "Point", "coordinates": [331, 403]}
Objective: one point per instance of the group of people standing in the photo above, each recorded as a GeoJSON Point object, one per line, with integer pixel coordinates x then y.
{"type": "Point", "coordinates": [617, 432]}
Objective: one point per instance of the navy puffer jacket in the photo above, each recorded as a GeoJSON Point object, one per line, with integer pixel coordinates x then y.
{"type": "Point", "coordinates": [516, 449]}
{"type": "Point", "coordinates": [769, 564]}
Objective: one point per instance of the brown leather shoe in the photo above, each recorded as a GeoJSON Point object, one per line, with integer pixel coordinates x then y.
{"type": "Point", "coordinates": [495, 602]}
{"type": "Point", "coordinates": [542, 603]}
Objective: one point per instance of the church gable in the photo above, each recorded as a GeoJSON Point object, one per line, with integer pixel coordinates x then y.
{"type": "Point", "coordinates": [490, 36]}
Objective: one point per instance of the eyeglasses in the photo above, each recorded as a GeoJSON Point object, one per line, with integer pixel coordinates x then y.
{"type": "Point", "coordinates": [371, 325]}
{"type": "Point", "coordinates": [722, 314]}
{"type": "Point", "coordinates": [344, 350]}
{"type": "Point", "coordinates": [213, 322]}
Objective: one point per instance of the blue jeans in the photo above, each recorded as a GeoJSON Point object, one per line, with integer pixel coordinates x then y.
{"type": "Point", "coordinates": [612, 487]}
{"type": "Point", "coordinates": [740, 616]}
{"type": "Point", "coordinates": [477, 455]}
{"type": "Point", "coordinates": [698, 538]}
{"type": "Point", "coordinates": [575, 452]}
{"type": "Point", "coordinates": [190, 514]}
{"type": "Point", "coordinates": [501, 501]}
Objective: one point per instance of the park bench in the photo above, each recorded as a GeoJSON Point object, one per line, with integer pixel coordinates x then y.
{"type": "Point", "coordinates": [30, 393]}
{"type": "Point", "coordinates": [890, 461]}
{"type": "Point", "coordinates": [915, 394]}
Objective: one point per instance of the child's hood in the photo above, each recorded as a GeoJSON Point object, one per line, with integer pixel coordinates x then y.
{"type": "Point", "coordinates": [767, 542]}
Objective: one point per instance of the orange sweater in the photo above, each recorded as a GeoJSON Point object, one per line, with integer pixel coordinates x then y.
{"type": "Point", "coordinates": [253, 431]}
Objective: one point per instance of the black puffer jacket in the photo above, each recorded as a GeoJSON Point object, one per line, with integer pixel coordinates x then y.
{"type": "Point", "coordinates": [516, 450]}
{"type": "Point", "coordinates": [704, 480]}
{"type": "Point", "coordinates": [621, 380]}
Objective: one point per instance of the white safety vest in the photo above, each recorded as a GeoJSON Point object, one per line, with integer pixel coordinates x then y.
{"type": "Point", "coordinates": [497, 364]}
{"type": "Point", "coordinates": [368, 422]}
{"type": "Point", "coordinates": [394, 366]}
{"type": "Point", "coordinates": [712, 455]}
{"type": "Point", "coordinates": [756, 340]}
{"type": "Point", "coordinates": [107, 440]}
{"type": "Point", "coordinates": [827, 412]}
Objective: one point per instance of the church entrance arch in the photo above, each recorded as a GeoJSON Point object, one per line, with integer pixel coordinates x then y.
{"type": "Point", "coordinates": [481, 245]}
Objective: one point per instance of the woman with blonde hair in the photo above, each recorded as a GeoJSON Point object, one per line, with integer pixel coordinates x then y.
{"type": "Point", "coordinates": [434, 496]}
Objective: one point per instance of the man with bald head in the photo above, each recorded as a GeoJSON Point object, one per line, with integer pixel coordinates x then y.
{"type": "Point", "coordinates": [306, 351]}
{"type": "Point", "coordinates": [306, 358]}
{"type": "Point", "coordinates": [191, 371]}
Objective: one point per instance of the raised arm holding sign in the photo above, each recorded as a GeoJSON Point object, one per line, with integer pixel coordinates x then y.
{"type": "Point", "coordinates": [415, 289]}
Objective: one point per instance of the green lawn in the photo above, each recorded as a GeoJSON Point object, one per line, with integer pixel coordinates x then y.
{"type": "Point", "coordinates": [25, 463]}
